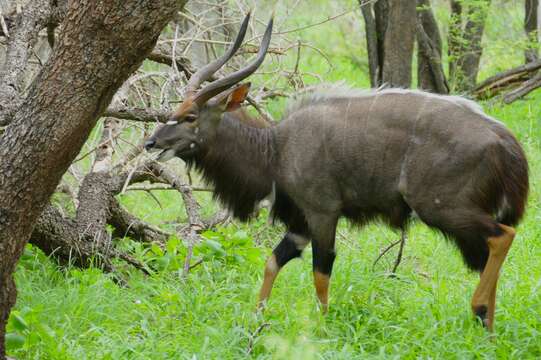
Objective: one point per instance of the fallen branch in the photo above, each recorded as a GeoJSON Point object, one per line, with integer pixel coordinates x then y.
{"type": "Point", "coordinates": [59, 238]}
{"type": "Point", "coordinates": [505, 80]}
{"type": "Point", "coordinates": [524, 89]}
{"type": "Point", "coordinates": [125, 224]}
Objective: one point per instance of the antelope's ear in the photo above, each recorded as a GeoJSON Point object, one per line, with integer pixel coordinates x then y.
{"type": "Point", "coordinates": [236, 97]}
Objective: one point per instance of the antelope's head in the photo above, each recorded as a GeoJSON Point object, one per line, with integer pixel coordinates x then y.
{"type": "Point", "coordinates": [195, 122]}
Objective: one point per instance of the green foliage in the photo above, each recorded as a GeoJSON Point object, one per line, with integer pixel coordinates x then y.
{"type": "Point", "coordinates": [229, 246]}
{"type": "Point", "coordinates": [225, 246]}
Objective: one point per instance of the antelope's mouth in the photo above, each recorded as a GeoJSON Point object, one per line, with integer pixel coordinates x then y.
{"type": "Point", "coordinates": [165, 155]}
{"type": "Point", "coordinates": [168, 154]}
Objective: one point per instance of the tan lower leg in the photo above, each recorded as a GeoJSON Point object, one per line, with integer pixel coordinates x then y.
{"type": "Point", "coordinates": [271, 271]}
{"type": "Point", "coordinates": [484, 298]}
{"type": "Point", "coordinates": [321, 282]}
{"type": "Point", "coordinates": [491, 307]}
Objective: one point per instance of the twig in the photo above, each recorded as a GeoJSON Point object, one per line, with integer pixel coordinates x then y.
{"type": "Point", "coordinates": [188, 259]}
{"type": "Point", "coordinates": [4, 25]}
{"type": "Point", "coordinates": [385, 251]}
{"type": "Point", "coordinates": [401, 241]}
{"type": "Point", "coordinates": [253, 336]}
{"type": "Point", "coordinates": [398, 259]}
{"type": "Point", "coordinates": [197, 263]}
{"type": "Point", "coordinates": [164, 187]}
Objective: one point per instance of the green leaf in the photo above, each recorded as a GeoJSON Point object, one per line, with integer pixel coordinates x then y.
{"type": "Point", "coordinates": [172, 245]}
{"type": "Point", "coordinates": [156, 250]}
{"type": "Point", "coordinates": [241, 237]}
{"type": "Point", "coordinates": [45, 331]}
{"type": "Point", "coordinates": [215, 247]}
{"type": "Point", "coordinates": [14, 341]}
{"type": "Point", "coordinates": [18, 322]}
{"type": "Point", "coordinates": [162, 263]}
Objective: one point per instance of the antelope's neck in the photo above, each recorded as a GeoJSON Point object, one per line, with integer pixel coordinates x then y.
{"type": "Point", "coordinates": [240, 163]}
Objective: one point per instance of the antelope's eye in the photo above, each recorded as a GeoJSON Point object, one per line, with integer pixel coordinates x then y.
{"type": "Point", "coordinates": [190, 118]}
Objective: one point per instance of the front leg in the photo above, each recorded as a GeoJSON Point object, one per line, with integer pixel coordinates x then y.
{"type": "Point", "coordinates": [289, 248]}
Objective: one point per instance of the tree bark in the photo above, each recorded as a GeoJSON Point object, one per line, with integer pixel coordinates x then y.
{"type": "Point", "coordinates": [381, 15]}
{"type": "Point", "coordinates": [531, 27]}
{"type": "Point", "coordinates": [398, 46]}
{"type": "Point", "coordinates": [21, 42]}
{"type": "Point", "coordinates": [390, 34]}
{"type": "Point", "coordinates": [465, 34]}
{"type": "Point", "coordinates": [371, 41]}
{"type": "Point", "coordinates": [99, 45]}
{"type": "Point", "coordinates": [430, 72]}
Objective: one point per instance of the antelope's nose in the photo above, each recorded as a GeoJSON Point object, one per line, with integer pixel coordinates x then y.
{"type": "Point", "coordinates": [149, 144]}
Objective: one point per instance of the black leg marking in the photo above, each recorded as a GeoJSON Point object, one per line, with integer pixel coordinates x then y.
{"type": "Point", "coordinates": [323, 259]}
{"type": "Point", "coordinates": [289, 248]}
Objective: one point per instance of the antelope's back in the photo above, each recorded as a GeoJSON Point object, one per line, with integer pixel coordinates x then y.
{"type": "Point", "coordinates": [370, 146]}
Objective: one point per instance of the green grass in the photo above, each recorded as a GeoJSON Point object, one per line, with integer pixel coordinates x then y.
{"type": "Point", "coordinates": [424, 313]}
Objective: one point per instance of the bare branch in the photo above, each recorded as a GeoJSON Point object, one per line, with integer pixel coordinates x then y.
{"type": "Point", "coordinates": [137, 114]}
{"type": "Point", "coordinates": [182, 63]}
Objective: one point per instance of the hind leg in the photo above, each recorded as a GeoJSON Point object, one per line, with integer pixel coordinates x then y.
{"type": "Point", "coordinates": [483, 243]}
{"type": "Point", "coordinates": [484, 299]}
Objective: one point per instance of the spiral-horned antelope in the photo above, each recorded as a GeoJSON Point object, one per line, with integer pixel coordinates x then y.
{"type": "Point", "coordinates": [362, 155]}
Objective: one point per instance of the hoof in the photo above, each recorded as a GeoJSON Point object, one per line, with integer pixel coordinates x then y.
{"type": "Point", "coordinates": [481, 313]}
{"type": "Point", "coordinates": [260, 307]}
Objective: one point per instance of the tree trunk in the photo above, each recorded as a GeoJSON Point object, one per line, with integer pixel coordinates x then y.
{"type": "Point", "coordinates": [398, 46]}
{"type": "Point", "coordinates": [390, 33]}
{"type": "Point", "coordinates": [99, 45]}
{"type": "Point", "coordinates": [531, 27]}
{"type": "Point", "coordinates": [381, 15]}
{"type": "Point", "coordinates": [465, 34]}
{"type": "Point", "coordinates": [430, 73]}
{"type": "Point", "coordinates": [371, 42]}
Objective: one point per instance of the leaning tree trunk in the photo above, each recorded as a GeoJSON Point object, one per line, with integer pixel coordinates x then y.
{"type": "Point", "coordinates": [465, 34]}
{"type": "Point", "coordinates": [390, 34]}
{"type": "Point", "coordinates": [372, 42]}
{"type": "Point", "coordinates": [430, 74]}
{"type": "Point", "coordinates": [531, 27]}
{"type": "Point", "coordinates": [99, 44]}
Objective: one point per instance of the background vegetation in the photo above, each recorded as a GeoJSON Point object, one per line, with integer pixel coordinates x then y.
{"type": "Point", "coordinates": [71, 313]}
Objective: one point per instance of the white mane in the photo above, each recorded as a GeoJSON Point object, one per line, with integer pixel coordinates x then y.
{"type": "Point", "coordinates": [324, 92]}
